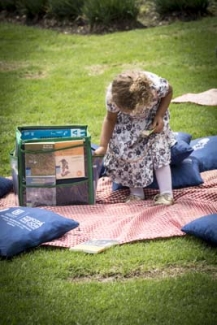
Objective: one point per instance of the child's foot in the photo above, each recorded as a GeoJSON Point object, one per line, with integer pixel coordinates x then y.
{"type": "Point", "coordinates": [132, 198]}
{"type": "Point", "coordinates": [164, 199]}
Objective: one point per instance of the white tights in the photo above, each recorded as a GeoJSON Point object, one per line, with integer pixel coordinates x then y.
{"type": "Point", "coordinates": [164, 180]}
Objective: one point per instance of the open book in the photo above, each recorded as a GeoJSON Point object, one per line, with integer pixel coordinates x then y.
{"type": "Point", "coordinates": [94, 246]}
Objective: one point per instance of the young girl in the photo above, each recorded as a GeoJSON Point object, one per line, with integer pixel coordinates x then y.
{"type": "Point", "coordinates": [137, 101]}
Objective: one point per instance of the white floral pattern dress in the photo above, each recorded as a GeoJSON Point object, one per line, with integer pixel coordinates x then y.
{"type": "Point", "coordinates": [131, 159]}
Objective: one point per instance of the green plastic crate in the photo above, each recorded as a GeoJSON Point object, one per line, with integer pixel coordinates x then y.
{"type": "Point", "coordinates": [70, 191]}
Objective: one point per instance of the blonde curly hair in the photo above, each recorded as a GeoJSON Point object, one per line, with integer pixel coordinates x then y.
{"type": "Point", "coordinates": [131, 91]}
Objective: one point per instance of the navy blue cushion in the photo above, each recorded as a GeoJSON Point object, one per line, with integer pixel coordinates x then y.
{"type": "Point", "coordinates": [179, 151]}
{"type": "Point", "coordinates": [183, 136]}
{"type": "Point", "coordinates": [116, 186]}
{"type": "Point", "coordinates": [183, 175]}
{"type": "Point", "coordinates": [205, 150]}
{"type": "Point", "coordinates": [6, 185]}
{"type": "Point", "coordinates": [204, 227]}
{"type": "Point", "coordinates": [22, 228]}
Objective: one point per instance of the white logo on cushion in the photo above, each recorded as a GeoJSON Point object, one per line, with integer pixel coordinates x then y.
{"type": "Point", "coordinates": [201, 144]}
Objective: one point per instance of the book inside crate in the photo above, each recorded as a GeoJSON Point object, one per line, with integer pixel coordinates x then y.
{"type": "Point", "coordinates": [54, 166]}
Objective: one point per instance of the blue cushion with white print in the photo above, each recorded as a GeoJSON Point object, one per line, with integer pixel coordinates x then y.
{"type": "Point", "coordinates": [22, 228]}
{"type": "Point", "coordinates": [205, 150]}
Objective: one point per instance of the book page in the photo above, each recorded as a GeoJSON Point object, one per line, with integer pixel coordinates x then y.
{"type": "Point", "coordinates": [39, 159]}
{"type": "Point", "coordinates": [69, 159]}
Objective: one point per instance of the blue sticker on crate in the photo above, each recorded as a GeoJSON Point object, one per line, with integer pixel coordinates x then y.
{"type": "Point", "coordinates": [52, 133]}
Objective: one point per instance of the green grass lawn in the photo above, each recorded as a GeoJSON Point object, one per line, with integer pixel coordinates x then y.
{"type": "Point", "coordinates": [48, 78]}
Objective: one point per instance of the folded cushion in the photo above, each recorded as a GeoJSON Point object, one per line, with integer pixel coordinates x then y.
{"type": "Point", "coordinates": [179, 151]}
{"type": "Point", "coordinates": [184, 136]}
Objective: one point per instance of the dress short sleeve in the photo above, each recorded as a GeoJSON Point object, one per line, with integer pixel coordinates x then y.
{"type": "Point", "coordinates": [111, 107]}
{"type": "Point", "coordinates": [161, 85]}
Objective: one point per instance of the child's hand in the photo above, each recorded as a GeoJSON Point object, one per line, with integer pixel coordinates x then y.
{"type": "Point", "coordinates": [100, 151]}
{"type": "Point", "coordinates": [158, 124]}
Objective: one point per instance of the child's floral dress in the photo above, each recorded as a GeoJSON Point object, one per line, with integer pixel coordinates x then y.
{"type": "Point", "coordinates": [132, 158]}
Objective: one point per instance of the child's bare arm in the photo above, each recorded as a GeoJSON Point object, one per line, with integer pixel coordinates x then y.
{"type": "Point", "coordinates": [158, 122]}
{"type": "Point", "coordinates": [106, 133]}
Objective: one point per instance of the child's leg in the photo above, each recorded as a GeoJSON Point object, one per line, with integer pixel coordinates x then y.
{"type": "Point", "coordinates": [164, 180]}
{"type": "Point", "coordinates": [137, 191]}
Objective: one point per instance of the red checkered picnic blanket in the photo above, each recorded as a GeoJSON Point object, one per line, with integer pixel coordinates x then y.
{"type": "Point", "coordinates": [111, 218]}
